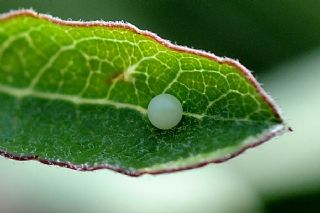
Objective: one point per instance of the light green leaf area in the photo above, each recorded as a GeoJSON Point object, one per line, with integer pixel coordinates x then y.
{"type": "Point", "coordinates": [76, 95]}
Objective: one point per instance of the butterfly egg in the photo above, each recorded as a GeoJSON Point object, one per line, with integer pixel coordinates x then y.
{"type": "Point", "coordinates": [165, 111]}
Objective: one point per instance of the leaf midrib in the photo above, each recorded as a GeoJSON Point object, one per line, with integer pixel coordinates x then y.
{"type": "Point", "coordinates": [20, 93]}
{"type": "Point", "coordinates": [27, 92]}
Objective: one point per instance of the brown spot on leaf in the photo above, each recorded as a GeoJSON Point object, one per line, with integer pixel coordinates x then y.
{"type": "Point", "coordinates": [114, 77]}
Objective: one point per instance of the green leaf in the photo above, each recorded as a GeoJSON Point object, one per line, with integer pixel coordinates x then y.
{"type": "Point", "coordinates": [75, 94]}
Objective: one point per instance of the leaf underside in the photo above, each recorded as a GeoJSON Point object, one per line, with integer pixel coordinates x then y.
{"type": "Point", "coordinates": [75, 94]}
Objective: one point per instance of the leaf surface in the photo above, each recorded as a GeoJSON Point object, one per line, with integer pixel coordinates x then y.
{"type": "Point", "coordinates": [75, 94]}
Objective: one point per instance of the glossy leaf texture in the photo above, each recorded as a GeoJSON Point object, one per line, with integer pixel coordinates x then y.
{"type": "Point", "coordinates": [75, 94]}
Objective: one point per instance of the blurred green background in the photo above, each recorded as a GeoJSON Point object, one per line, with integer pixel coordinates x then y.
{"type": "Point", "coordinates": [278, 39]}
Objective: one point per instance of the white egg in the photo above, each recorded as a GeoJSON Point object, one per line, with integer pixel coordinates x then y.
{"type": "Point", "coordinates": [165, 111]}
